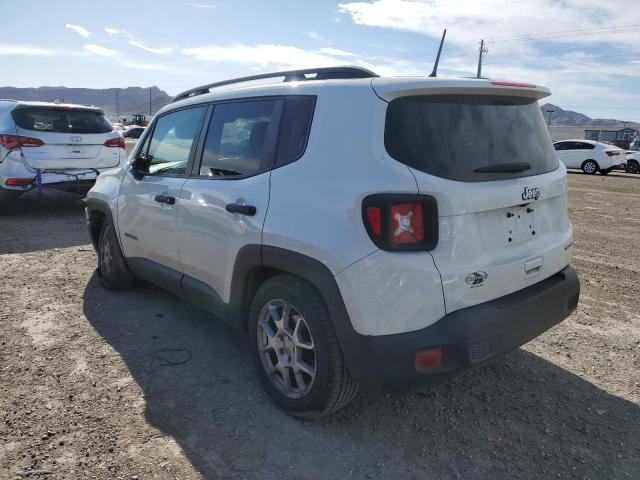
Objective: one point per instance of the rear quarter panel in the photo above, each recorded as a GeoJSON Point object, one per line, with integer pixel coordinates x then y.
{"type": "Point", "coordinates": [315, 205]}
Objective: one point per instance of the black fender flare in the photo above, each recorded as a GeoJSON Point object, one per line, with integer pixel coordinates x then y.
{"type": "Point", "coordinates": [251, 257]}
{"type": "Point", "coordinates": [97, 205]}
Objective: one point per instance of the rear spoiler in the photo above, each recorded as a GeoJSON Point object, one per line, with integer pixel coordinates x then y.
{"type": "Point", "coordinates": [391, 88]}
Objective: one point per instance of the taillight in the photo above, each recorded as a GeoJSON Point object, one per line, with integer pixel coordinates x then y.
{"type": "Point", "coordinates": [15, 141]}
{"type": "Point", "coordinates": [613, 153]}
{"type": "Point", "coordinates": [399, 222]}
{"type": "Point", "coordinates": [19, 182]}
{"type": "Point", "coordinates": [117, 142]}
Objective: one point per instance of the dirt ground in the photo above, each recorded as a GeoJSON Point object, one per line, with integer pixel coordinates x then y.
{"type": "Point", "coordinates": [139, 384]}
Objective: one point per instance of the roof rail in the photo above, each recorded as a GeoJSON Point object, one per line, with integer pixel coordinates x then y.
{"type": "Point", "coordinates": [324, 73]}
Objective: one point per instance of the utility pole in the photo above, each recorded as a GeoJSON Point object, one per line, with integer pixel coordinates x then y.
{"type": "Point", "coordinates": [117, 102]}
{"type": "Point", "coordinates": [549, 118]}
{"type": "Point", "coordinates": [149, 101]}
{"type": "Point", "coordinates": [481, 52]}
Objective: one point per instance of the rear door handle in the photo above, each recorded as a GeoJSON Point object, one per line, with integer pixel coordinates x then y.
{"type": "Point", "coordinates": [249, 210]}
{"type": "Point", "coordinates": [165, 199]}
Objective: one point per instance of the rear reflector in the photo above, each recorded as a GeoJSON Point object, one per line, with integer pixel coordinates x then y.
{"type": "Point", "coordinates": [117, 142]}
{"type": "Point", "coordinates": [613, 153]}
{"type": "Point", "coordinates": [512, 84]}
{"type": "Point", "coordinates": [429, 358]}
{"type": "Point", "coordinates": [19, 182]}
{"type": "Point", "coordinates": [14, 141]}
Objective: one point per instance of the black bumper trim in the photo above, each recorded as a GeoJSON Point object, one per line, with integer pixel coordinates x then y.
{"type": "Point", "coordinates": [468, 336]}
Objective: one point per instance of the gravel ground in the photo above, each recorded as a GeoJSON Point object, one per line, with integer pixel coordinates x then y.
{"type": "Point", "coordinates": [139, 384]}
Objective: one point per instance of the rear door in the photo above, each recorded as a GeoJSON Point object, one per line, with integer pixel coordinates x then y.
{"type": "Point", "coordinates": [490, 164]}
{"type": "Point", "coordinates": [147, 206]}
{"type": "Point", "coordinates": [224, 203]}
{"type": "Point", "coordinates": [72, 137]}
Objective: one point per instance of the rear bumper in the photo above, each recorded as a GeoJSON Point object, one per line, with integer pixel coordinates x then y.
{"type": "Point", "coordinates": [469, 336]}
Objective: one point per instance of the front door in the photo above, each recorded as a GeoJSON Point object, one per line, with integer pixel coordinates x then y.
{"type": "Point", "coordinates": [223, 204]}
{"type": "Point", "coordinates": [147, 206]}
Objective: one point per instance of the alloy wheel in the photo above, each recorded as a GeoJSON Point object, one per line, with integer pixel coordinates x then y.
{"type": "Point", "coordinates": [286, 349]}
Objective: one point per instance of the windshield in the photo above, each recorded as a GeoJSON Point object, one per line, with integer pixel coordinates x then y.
{"type": "Point", "coordinates": [470, 138]}
{"type": "Point", "coordinates": [61, 120]}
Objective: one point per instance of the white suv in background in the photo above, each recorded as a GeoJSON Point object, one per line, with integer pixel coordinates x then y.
{"type": "Point", "coordinates": [61, 146]}
{"type": "Point", "coordinates": [337, 218]}
{"type": "Point", "coordinates": [590, 156]}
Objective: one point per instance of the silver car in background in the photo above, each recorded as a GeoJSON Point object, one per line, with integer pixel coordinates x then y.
{"type": "Point", "coordinates": [62, 146]}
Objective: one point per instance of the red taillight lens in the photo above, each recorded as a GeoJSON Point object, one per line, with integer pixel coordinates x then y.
{"type": "Point", "coordinates": [30, 142]}
{"type": "Point", "coordinates": [19, 182]}
{"type": "Point", "coordinates": [15, 141]}
{"type": "Point", "coordinates": [406, 223]}
{"type": "Point", "coordinates": [612, 153]}
{"type": "Point", "coordinates": [117, 142]}
{"type": "Point", "coordinates": [399, 222]}
{"type": "Point", "coordinates": [374, 220]}
{"type": "Point", "coordinates": [429, 358]}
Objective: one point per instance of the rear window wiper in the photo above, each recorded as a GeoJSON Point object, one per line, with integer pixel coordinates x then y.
{"type": "Point", "coordinates": [504, 168]}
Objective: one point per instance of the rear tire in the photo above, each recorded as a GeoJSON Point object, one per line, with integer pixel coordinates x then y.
{"type": "Point", "coordinates": [590, 167]}
{"type": "Point", "coordinates": [112, 268]}
{"type": "Point", "coordinates": [296, 351]}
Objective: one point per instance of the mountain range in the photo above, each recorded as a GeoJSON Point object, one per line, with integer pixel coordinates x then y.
{"type": "Point", "coordinates": [112, 100]}
{"type": "Point", "coordinates": [563, 117]}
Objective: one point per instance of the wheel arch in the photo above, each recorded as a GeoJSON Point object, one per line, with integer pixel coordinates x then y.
{"type": "Point", "coordinates": [255, 264]}
{"type": "Point", "coordinates": [97, 212]}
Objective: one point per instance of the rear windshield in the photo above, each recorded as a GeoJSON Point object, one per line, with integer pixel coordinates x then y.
{"type": "Point", "coordinates": [469, 138]}
{"type": "Point", "coordinates": [58, 120]}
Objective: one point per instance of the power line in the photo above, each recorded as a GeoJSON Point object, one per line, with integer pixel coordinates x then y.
{"type": "Point", "coordinates": [632, 53]}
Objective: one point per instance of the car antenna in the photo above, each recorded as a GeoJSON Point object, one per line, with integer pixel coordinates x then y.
{"type": "Point", "coordinates": [435, 65]}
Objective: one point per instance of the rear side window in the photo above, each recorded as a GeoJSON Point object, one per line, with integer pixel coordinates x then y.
{"type": "Point", "coordinates": [469, 138]}
{"type": "Point", "coordinates": [294, 132]}
{"type": "Point", "coordinates": [240, 138]}
{"type": "Point", "coordinates": [61, 120]}
{"type": "Point", "coordinates": [584, 146]}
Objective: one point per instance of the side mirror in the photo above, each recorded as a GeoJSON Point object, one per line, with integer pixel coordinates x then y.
{"type": "Point", "coordinates": [139, 166]}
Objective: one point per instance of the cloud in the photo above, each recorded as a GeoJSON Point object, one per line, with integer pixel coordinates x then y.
{"type": "Point", "coordinates": [11, 49]}
{"type": "Point", "coordinates": [201, 5]}
{"type": "Point", "coordinates": [313, 35]}
{"type": "Point", "coordinates": [111, 31]}
{"type": "Point", "coordinates": [157, 51]}
{"type": "Point", "coordinates": [101, 51]}
{"type": "Point", "coordinates": [470, 20]}
{"type": "Point", "coordinates": [118, 58]}
{"type": "Point", "coordinates": [83, 32]}
{"type": "Point", "coordinates": [263, 55]}
{"type": "Point", "coordinates": [336, 52]}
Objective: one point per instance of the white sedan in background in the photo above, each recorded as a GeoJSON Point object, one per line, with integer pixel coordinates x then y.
{"type": "Point", "coordinates": [590, 156]}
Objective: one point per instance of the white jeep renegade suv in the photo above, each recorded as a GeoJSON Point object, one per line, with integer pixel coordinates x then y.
{"type": "Point", "coordinates": [386, 232]}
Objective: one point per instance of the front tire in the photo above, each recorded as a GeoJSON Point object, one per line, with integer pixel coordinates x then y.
{"type": "Point", "coordinates": [590, 167]}
{"type": "Point", "coordinates": [112, 268]}
{"type": "Point", "coordinates": [296, 351]}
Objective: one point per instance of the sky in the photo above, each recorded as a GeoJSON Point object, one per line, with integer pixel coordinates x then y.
{"type": "Point", "coordinates": [586, 51]}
